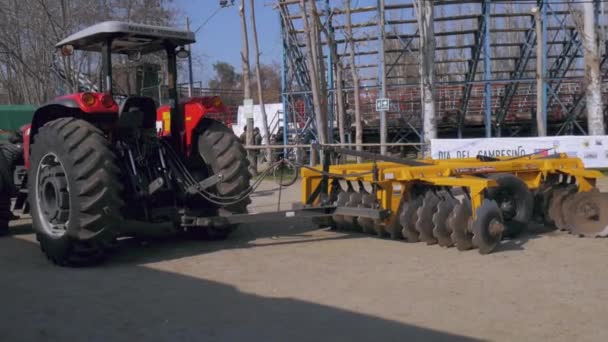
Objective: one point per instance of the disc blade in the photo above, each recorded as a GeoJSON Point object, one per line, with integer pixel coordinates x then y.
{"type": "Point", "coordinates": [458, 224]}
{"type": "Point", "coordinates": [341, 201]}
{"type": "Point", "coordinates": [440, 227]}
{"type": "Point", "coordinates": [393, 226]}
{"type": "Point", "coordinates": [424, 222]}
{"type": "Point", "coordinates": [556, 214]}
{"type": "Point", "coordinates": [487, 227]}
{"type": "Point", "coordinates": [369, 225]}
{"type": "Point", "coordinates": [350, 222]}
{"type": "Point", "coordinates": [408, 218]}
{"type": "Point", "coordinates": [586, 214]}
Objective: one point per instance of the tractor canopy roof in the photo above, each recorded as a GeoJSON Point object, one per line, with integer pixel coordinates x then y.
{"type": "Point", "coordinates": [128, 37]}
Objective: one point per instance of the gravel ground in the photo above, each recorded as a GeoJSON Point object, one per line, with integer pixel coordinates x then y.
{"type": "Point", "coordinates": [294, 282]}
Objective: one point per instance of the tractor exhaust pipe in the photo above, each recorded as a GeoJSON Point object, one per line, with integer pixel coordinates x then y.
{"type": "Point", "coordinates": [177, 120]}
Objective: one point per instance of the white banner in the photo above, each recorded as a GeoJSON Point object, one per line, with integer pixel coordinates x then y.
{"type": "Point", "coordinates": [593, 150]}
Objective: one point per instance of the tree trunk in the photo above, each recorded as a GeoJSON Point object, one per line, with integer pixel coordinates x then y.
{"type": "Point", "coordinates": [355, 76]}
{"type": "Point", "coordinates": [251, 155]}
{"type": "Point", "coordinates": [258, 75]}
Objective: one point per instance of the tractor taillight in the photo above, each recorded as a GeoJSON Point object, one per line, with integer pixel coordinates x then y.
{"type": "Point", "coordinates": [107, 101]}
{"type": "Point", "coordinates": [88, 99]}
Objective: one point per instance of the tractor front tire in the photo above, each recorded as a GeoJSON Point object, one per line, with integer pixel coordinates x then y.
{"type": "Point", "coordinates": [74, 192]}
{"type": "Point", "coordinates": [219, 151]}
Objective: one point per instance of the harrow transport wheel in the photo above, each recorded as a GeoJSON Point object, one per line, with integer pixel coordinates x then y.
{"type": "Point", "coordinates": [555, 212]}
{"type": "Point", "coordinates": [440, 226]}
{"type": "Point", "coordinates": [74, 192]}
{"type": "Point", "coordinates": [219, 151]}
{"type": "Point", "coordinates": [515, 201]}
{"type": "Point", "coordinates": [487, 227]}
{"type": "Point", "coordinates": [458, 223]}
{"type": "Point", "coordinates": [424, 222]}
{"type": "Point", "coordinates": [408, 217]}
{"type": "Point", "coordinates": [586, 214]}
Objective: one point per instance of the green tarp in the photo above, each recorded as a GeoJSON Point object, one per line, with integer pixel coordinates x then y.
{"type": "Point", "coordinates": [14, 116]}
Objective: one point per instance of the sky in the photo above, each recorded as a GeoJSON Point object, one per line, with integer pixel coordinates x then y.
{"type": "Point", "coordinates": [220, 38]}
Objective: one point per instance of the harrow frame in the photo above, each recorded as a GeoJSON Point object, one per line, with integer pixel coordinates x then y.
{"type": "Point", "coordinates": [392, 179]}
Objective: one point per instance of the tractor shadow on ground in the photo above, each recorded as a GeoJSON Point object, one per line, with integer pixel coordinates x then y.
{"type": "Point", "coordinates": [148, 249]}
{"type": "Point", "coordinates": [43, 302]}
{"type": "Point", "coordinates": [260, 235]}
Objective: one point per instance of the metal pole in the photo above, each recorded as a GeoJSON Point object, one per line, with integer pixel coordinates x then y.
{"type": "Point", "coordinates": [190, 75]}
{"type": "Point", "coordinates": [382, 75]}
{"type": "Point", "coordinates": [106, 51]}
{"type": "Point", "coordinates": [330, 78]}
{"type": "Point", "coordinates": [487, 70]}
{"type": "Point", "coordinates": [177, 121]}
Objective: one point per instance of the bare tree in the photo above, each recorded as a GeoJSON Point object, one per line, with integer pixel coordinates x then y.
{"type": "Point", "coordinates": [355, 77]}
{"type": "Point", "coordinates": [258, 75]}
{"type": "Point", "coordinates": [31, 71]}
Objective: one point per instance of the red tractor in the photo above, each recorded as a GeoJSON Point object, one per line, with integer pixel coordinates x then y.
{"type": "Point", "coordinates": [99, 163]}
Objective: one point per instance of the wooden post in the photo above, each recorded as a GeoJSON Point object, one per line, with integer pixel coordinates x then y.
{"type": "Point", "coordinates": [593, 92]}
{"type": "Point", "coordinates": [382, 71]}
{"type": "Point", "coordinates": [312, 62]}
{"type": "Point", "coordinates": [258, 75]}
{"type": "Point", "coordinates": [251, 155]}
{"type": "Point", "coordinates": [424, 16]}
{"type": "Point", "coordinates": [540, 75]}
{"type": "Point", "coordinates": [355, 77]}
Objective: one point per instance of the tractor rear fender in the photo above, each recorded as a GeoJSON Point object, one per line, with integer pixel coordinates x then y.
{"type": "Point", "coordinates": [194, 111]}
{"type": "Point", "coordinates": [61, 108]}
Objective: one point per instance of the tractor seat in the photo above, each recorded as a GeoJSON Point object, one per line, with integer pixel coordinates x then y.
{"type": "Point", "coordinates": [137, 112]}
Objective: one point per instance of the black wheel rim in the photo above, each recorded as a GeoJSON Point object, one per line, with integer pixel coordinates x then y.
{"type": "Point", "coordinates": [52, 196]}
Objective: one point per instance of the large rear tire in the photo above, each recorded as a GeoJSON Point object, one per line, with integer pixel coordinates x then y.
{"type": "Point", "coordinates": [74, 192]}
{"type": "Point", "coordinates": [219, 151]}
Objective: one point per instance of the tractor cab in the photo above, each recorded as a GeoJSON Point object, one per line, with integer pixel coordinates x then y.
{"type": "Point", "coordinates": [133, 40]}
{"type": "Point", "coordinates": [172, 119]}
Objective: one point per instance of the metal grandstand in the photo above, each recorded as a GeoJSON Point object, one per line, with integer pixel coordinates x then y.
{"type": "Point", "coordinates": [477, 93]}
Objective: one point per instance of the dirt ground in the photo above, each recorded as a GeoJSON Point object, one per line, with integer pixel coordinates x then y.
{"type": "Point", "coordinates": [293, 282]}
